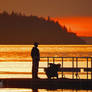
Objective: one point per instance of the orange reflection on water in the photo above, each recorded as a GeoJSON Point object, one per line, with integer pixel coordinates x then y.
{"type": "Point", "coordinates": [40, 90]}
{"type": "Point", "coordinates": [15, 90]}
{"type": "Point", "coordinates": [15, 59]}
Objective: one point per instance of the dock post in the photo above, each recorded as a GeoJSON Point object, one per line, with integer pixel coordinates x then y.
{"type": "Point", "coordinates": [87, 68]}
{"type": "Point", "coordinates": [48, 61]}
{"type": "Point", "coordinates": [76, 67]}
{"type": "Point", "coordinates": [73, 67]}
{"type": "Point", "coordinates": [53, 60]}
{"type": "Point", "coordinates": [62, 67]}
{"type": "Point", "coordinates": [91, 68]}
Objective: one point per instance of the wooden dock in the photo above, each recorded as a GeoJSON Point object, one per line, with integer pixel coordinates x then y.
{"type": "Point", "coordinates": [48, 84]}
{"type": "Point", "coordinates": [68, 83]}
{"type": "Point", "coordinates": [75, 67]}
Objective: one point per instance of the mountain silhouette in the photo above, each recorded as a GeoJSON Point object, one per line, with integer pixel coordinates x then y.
{"type": "Point", "coordinates": [20, 29]}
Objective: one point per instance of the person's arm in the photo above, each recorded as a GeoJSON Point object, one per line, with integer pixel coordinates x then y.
{"type": "Point", "coordinates": [39, 55]}
{"type": "Point", "coordinates": [32, 52]}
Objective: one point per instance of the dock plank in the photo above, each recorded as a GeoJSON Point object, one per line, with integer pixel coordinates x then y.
{"type": "Point", "coordinates": [48, 83]}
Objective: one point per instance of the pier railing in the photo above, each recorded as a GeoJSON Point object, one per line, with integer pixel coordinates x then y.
{"type": "Point", "coordinates": [73, 65]}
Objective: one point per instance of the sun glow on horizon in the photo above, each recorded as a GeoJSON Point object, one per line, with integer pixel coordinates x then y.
{"type": "Point", "coordinates": [82, 26]}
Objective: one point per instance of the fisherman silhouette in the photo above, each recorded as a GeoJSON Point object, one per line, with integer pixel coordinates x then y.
{"type": "Point", "coordinates": [35, 58]}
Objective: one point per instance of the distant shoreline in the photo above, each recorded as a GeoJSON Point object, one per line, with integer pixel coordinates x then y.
{"type": "Point", "coordinates": [47, 44]}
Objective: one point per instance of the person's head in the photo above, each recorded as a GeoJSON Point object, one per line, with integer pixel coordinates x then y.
{"type": "Point", "coordinates": [36, 44]}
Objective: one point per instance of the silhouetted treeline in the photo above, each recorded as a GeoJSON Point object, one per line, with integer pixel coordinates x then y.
{"type": "Point", "coordinates": [19, 29]}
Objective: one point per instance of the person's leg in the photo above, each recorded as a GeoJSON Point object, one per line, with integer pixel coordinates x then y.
{"type": "Point", "coordinates": [33, 69]}
{"type": "Point", "coordinates": [36, 69]}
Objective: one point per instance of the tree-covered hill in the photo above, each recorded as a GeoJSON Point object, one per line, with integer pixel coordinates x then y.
{"type": "Point", "coordinates": [19, 29]}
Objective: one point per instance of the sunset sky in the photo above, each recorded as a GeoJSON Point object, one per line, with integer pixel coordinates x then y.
{"type": "Point", "coordinates": [82, 26]}
{"type": "Point", "coordinates": [75, 14]}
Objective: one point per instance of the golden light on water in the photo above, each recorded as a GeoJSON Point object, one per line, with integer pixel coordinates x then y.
{"type": "Point", "coordinates": [40, 90]}
{"type": "Point", "coordinates": [16, 59]}
{"type": "Point", "coordinates": [15, 90]}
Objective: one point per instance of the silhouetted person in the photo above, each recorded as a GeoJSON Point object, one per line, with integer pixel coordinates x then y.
{"type": "Point", "coordinates": [35, 58]}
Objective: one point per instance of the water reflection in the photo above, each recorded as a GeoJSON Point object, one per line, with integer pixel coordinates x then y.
{"type": "Point", "coordinates": [16, 60]}
{"type": "Point", "coordinates": [40, 90]}
{"type": "Point", "coordinates": [34, 90]}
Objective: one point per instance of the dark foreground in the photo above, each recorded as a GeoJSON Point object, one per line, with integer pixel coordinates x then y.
{"type": "Point", "coordinates": [48, 84]}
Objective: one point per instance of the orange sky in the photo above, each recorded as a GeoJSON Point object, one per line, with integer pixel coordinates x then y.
{"type": "Point", "coordinates": [82, 26]}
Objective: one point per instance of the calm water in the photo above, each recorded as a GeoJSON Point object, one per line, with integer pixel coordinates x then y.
{"type": "Point", "coordinates": [40, 90]}
{"type": "Point", "coordinates": [16, 59]}
{"type": "Point", "coordinates": [15, 62]}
